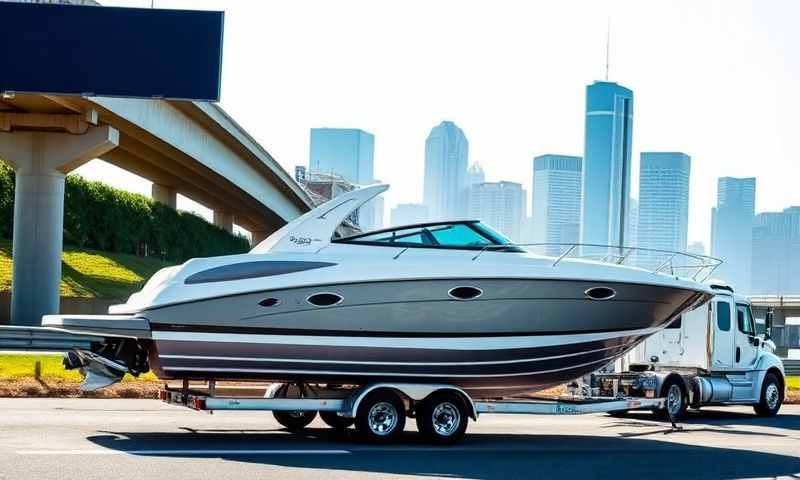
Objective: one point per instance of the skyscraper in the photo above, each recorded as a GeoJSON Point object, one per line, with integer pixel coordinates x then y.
{"type": "Point", "coordinates": [606, 163]}
{"type": "Point", "coordinates": [475, 174]}
{"type": "Point", "coordinates": [349, 153]}
{"type": "Point", "coordinates": [732, 230]}
{"type": "Point", "coordinates": [776, 253]}
{"type": "Point", "coordinates": [409, 213]}
{"type": "Point", "coordinates": [500, 204]}
{"type": "Point", "coordinates": [663, 203]}
{"type": "Point", "coordinates": [445, 182]}
{"type": "Point", "coordinates": [556, 200]}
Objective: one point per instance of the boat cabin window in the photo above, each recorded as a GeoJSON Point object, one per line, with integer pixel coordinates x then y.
{"type": "Point", "coordinates": [744, 319]}
{"type": "Point", "coordinates": [464, 235]}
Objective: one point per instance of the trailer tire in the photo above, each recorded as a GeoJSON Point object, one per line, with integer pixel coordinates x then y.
{"type": "Point", "coordinates": [442, 418]}
{"type": "Point", "coordinates": [337, 422]}
{"type": "Point", "coordinates": [294, 420]}
{"type": "Point", "coordinates": [677, 400]}
{"type": "Point", "coordinates": [771, 396]}
{"type": "Point", "coordinates": [381, 417]}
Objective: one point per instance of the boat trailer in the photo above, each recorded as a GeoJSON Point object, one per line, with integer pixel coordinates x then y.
{"type": "Point", "coordinates": [448, 407]}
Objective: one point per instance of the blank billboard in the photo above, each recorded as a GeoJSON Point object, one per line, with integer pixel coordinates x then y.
{"type": "Point", "coordinates": [110, 51]}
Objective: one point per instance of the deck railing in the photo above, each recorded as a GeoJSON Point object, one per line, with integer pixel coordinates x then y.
{"type": "Point", "coordinates": [682, 264]}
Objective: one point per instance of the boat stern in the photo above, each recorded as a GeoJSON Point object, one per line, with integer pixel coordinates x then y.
{"type": "Point", "coordinates": [123, 348]}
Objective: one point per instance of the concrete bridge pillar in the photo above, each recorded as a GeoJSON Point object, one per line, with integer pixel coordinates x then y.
{"type": "Point", "coordinates": [165, 194]}
{"type": "Point", "coordinates": [224, 220]}
{"type": "Point", "coordinates": [41, 160]}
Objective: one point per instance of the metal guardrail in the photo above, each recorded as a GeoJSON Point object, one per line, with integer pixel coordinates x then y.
{"type": "Point", "coordinates": [791, 367]}
{"type": "Point", "coordinates": [39, 338]}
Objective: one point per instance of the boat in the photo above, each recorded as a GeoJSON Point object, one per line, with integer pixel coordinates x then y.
{"type": "Point", "coordinates": [450, 302]}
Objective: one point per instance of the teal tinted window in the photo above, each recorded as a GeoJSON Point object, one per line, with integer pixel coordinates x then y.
{"type": "Point", "coordinates": [724, 316]}
{"type": "Point", "coordinates": [412, 236]}
{"type": "Point", "coordinates": [458, 235]}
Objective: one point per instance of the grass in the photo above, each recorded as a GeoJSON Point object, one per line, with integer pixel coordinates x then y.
{"type": "Point", "coordinates": [91, 273]}
{"type": "Point", "coordinates": [15, 367]}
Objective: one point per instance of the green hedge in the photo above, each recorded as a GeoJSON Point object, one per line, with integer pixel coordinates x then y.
{"type": "Point", "coordinates": [101, 217]}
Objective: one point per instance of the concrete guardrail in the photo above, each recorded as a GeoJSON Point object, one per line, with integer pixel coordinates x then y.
{"type": "Point", "coordinates": [38, 338]}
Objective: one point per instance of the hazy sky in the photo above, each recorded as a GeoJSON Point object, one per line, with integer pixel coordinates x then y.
{"type": "Point", "coordinates": [715, 79]}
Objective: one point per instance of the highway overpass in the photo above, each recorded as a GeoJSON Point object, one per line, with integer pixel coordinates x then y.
{"type": "Point", "coordinates": [191, 148]}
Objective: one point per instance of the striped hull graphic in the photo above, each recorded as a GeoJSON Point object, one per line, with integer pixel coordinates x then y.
{"type": "Point", "coordinates": [484, 366]}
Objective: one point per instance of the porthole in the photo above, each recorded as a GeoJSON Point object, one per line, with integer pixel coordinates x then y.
{"type": "Point", "coordinates": [465, 293]}
{"type": "Point", "coordinates": [325, 299]}
{"type": "Point", "coordinates": [600, 293]}
{"type": "Point", "coordinates": [269, 302]}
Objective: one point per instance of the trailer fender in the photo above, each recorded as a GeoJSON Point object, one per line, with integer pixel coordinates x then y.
{"type": "Point", "coordinates": [414, 391]}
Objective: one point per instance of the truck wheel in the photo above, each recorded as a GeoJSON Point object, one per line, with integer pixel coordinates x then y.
{"type": "Point", "coordinates": [771, 397]}
{"type": "Point", "coordinates": [336, 421]}
{"type": "Point", "coordinates": [294, 420]}
{"type": "Point", "coordinates": [676, 401]}
{"type": "Point", "coordinates": [442, 418]}
{"type": "Point", "coordinates": [381, 417]}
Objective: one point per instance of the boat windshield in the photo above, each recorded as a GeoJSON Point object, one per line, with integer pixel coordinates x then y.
{"type": "Point", "coordinates": [462, 235]}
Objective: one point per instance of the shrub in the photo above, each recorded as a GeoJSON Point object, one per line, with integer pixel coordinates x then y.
{"type": "Point", "coordinates": [104, 218]}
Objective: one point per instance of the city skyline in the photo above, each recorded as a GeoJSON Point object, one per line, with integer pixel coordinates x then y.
{"type": "Point", "coordinates": [721, 54]}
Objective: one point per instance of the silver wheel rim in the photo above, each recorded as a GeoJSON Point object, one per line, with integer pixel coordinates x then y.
{"type": "Point", "coordinates": [446, 419]}
{"type": "Point", "coordinates": [674, 400]}
{"type": "Point", "coordinates": [772, 395]}
{"type": "Point", "coordinates": [382, 418]}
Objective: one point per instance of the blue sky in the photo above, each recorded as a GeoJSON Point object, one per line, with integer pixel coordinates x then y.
{"type": "Point", "coordinates": [715, 79]}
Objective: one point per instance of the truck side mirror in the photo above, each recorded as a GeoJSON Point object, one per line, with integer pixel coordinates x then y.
{"type": "Point", "coordinates": [768, 323]}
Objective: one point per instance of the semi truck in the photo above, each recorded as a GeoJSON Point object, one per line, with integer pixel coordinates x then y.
{"type": "Point", "coordinates": [709, 356]}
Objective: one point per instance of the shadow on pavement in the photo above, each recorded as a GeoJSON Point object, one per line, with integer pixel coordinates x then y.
{"type": "Point", "coordinates": [720, 419]}
{"type": "Point", "coordinates": [480, 455]}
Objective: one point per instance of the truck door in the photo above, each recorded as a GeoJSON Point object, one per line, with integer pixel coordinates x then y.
{"type": "Point", "coordinates": [746, 351]}
{"type": "Point", "coordinates": [723, 354]}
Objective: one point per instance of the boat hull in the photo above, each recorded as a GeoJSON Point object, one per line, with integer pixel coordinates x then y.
{"type": "Point", "coordinates": [483, 366]}
{"type": "Point", "coordinates": [519, 335]}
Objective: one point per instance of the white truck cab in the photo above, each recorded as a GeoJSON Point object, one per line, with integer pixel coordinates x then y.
{"type": "Point", "coordinates": [709, 356]}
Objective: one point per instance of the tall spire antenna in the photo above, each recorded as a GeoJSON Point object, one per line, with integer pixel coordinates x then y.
{"type": "Point", "coordinates": [608, 44]}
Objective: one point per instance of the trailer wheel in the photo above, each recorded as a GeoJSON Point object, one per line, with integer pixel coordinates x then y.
{"type": "Point", "coordinates": [676, 399]}
{"type": "Point", "coordinates": [381, 417]}
{"type": "Point", "coordinates": [336, 421]}
{"type": "Point", "coordinates": [442, 418]}
{"type": "Point", "coordinates": [771, 397]}
{"type": "Point", "coordinates": [294, 420]}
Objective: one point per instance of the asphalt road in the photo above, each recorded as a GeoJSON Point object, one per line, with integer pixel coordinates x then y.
{"type": "Point", "coordinates": [139, 439]}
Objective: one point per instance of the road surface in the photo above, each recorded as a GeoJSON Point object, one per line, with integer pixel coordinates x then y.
{"type": "Point", "coordinates": [140, 439]}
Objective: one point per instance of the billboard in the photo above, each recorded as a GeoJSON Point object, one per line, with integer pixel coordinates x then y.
{"type": "Point", "coordinates": [110, 51]}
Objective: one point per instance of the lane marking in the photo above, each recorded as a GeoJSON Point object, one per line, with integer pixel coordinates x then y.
{"type": "Point", "coordinates": [183, 452]}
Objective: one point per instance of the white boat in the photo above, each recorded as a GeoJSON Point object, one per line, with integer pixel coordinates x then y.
{"type": "Point", "coordinates": [446, 302]}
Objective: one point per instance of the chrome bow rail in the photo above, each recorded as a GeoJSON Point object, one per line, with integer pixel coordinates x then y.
{"type": "Point", "coordinates": [682, 264]}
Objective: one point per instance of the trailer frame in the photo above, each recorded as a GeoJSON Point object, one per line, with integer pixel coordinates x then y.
{"type": "Point", "coordinates": [345, 402]}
